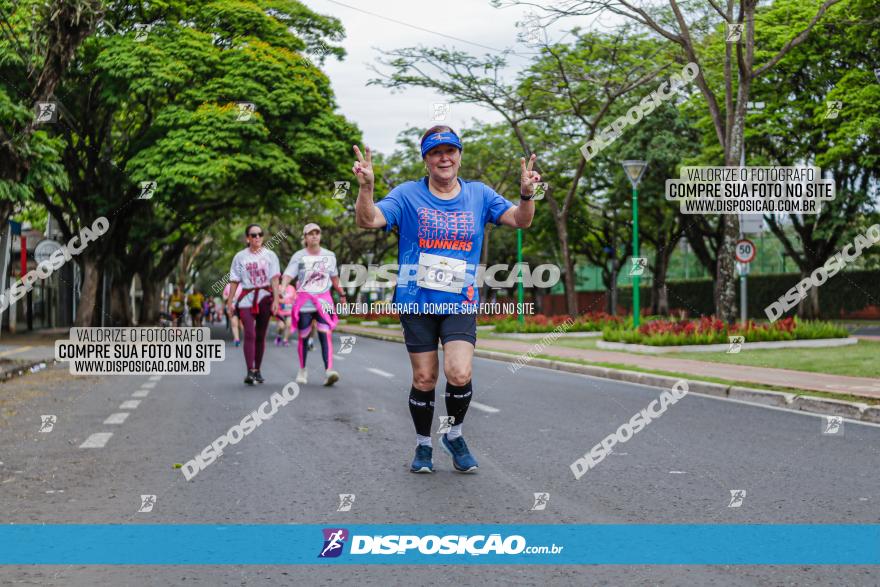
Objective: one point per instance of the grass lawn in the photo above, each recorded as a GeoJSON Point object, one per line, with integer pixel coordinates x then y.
{"type": "Point", "coordinates": [826, 394]}
{"type": "Point", "coordinates": [858, 360]}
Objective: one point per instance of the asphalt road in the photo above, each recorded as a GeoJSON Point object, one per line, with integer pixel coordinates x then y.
{"type": "Point", "coordinates": [357, 438]}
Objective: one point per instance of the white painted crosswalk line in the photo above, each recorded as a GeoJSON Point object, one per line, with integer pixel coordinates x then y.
{"type": "Point", "coordinates": [117, 418]}
{"type": "Point", "coordinates": [380, 372]}
{"type": "Point", "coordinates": [141, 393]}
{"type": "Point", "coordinates": [149, 385]}
{"type": "Point", "coordinates": [484, 407]}
{"type": "Point", "coordinates": [129, 404]}
{"type": "Point", "coordinates": [96, 440]}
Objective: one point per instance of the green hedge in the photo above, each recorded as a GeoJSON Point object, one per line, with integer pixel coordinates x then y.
{"type": "Point", "coordinates": [849, 291]}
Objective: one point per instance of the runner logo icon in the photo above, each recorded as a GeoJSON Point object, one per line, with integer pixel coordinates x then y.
{"type": "Point", "coordinates": [334, 540]}
{"type": "Point", "coordinates": [47, 422]}
{"type": "Point", "coordinates": [446, 423]}
{"type": "Point", "coordinates": [340, 189]}
{"type": "Point", "coordinates": [346, 344]}
{"type": "Point", "coordinates": [736, 344]}
{"type": "Point", "coordinates": [346, 500]}
{"type": "Point", "coordinates": [148, 188]}
{"type": "Point", "coordinates": [639, 264]}
{"type": "Point", "coordinates": [833, 425]}
{"type": "Point", "coordinates": [147, 503]}
{"type": "Point", "coordinates": [736, 498]}
{"type": "Point", "coordinates": [46, 112]}
{"type": "Point", "coordinates": [541, 500]}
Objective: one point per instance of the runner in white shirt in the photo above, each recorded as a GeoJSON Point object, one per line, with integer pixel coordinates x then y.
{"type": "Point", "coordinates": [314, 270]}
{"type": "Point", "coordinates": [257, 270]}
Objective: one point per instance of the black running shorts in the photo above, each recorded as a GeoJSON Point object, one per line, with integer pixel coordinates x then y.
{"type": "Point", "coordinates": [422, 331]}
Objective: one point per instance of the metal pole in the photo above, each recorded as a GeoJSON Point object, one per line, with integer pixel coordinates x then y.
{"type": "Point", "coordinates": [519, 287]}
{"type": "Point", "coordinates": [4, 269]}
{"type": "Point", "coordinates": [636, 279]}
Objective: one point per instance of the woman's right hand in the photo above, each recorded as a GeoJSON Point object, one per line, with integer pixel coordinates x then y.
{"type": "Point", "coordinates": [363, 167]}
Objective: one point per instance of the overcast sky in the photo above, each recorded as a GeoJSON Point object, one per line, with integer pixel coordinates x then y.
{"type": "Point", "coordinates": [380, 114]}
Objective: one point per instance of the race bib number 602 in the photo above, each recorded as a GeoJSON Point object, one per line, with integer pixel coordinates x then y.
{"type": "Point", "coordinates": [441, 273]}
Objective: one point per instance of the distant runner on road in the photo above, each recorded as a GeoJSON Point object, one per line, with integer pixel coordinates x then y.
{"type": "Point", "coordinates": [440, 220]}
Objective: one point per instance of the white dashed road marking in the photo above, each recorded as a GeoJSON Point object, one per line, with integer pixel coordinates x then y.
{"type": "Point", "coordinates": [130, 404]}
{"type": "Point", "coordinates": [141, 393]}
{"type": "Point", "coordinates": [149, 385]}
{"type": "Point", "coordinates": [96, 440]}
{"type": "Point", "coordinates": [155, 377]}
{"type": "Point", "coordinates": [383, 373]}
{"type": "Point", "coordinates": [117, 418]}
{"type": "Point", "coordinates": [484, 408]}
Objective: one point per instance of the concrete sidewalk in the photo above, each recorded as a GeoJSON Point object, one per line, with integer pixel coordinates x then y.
{"type": "Point", "coordinates": [797, 380]}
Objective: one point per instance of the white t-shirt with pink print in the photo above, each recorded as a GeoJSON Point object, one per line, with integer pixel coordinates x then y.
{"type": "Point", "coordinates": [253, 270]}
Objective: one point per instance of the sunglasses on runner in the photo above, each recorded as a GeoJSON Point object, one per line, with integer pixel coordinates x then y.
{"type": "Point", "coordinates": [256, 235]}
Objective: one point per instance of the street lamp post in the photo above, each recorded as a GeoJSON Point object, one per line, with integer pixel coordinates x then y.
{"type": "Point", "coordinates": [634, 170]}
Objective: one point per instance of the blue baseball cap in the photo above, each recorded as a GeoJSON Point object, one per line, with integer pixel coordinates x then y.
{"type": "Point", "coordinates": [440, 138]}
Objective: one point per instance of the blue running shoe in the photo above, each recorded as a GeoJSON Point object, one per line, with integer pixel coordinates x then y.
{"type": "Point", "coordinates": [422, 463]}
{"type": "Point", "coordinates": [462, 459]}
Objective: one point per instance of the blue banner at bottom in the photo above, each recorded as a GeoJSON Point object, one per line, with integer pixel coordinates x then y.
{"type": "Point", "coordinates": [524, 544]}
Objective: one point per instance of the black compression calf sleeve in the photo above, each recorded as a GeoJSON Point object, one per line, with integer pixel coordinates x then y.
{"type": "Point", "coordinates": [458, 398]}
{"type": "Point", "coordinates": [421, 408]}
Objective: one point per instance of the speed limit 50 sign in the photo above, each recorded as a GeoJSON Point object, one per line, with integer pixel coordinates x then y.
{"type": "Point", "coordinates": [745, 251]}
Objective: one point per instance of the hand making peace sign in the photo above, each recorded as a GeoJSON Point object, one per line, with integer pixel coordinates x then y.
{"type": "Point", "coordinates": [363, 168]}
{"type": "Point", "coordinates": [529, 178]}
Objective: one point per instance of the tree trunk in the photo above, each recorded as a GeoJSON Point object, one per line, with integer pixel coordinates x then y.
{"type": "Point", "coordinates": [90, 290]}
{"type": "Point", "coordinates": [659, 291]}
{"type": "Point", "coordinates": [150, 309]}
{"type": "Point", "coordinates": [808, 308]}
{"type": "Point", "coordinates": [120, 301]}
{"type": "Point", "coordinates": [570, 294]}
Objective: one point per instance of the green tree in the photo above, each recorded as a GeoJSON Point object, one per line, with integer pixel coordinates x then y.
{"type": "Point", "coordinates": [165, 109]}
{"type": "Point", "coordinates": [728, 70]}
{"type": "Point", "coordinates": [37, 43]}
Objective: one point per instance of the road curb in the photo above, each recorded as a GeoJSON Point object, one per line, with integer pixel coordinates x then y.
{"type": "Point", "coordinates": [23, 369]}
{"type": "Point", "coordinates": [793, 401]}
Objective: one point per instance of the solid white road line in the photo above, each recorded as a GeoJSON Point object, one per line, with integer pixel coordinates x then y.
{"type": "Point", "coordinates": [96, 440]}
{"type": "Point", "coordinates": [149, 385]}
{"type": "Point", "coordinates": [141, 393]}
{"type": "Point", "coordinates": [484, 407]}
{"type": "Point", "coordinates": [129, 404]}
{"type": "Point", "coordinates": [117, 418]}
{"type": "Point", "coordinates": [381, 372]}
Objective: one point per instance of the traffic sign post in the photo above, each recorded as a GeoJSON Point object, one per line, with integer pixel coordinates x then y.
{"type": "Point", "coordinates": [745, 252]}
